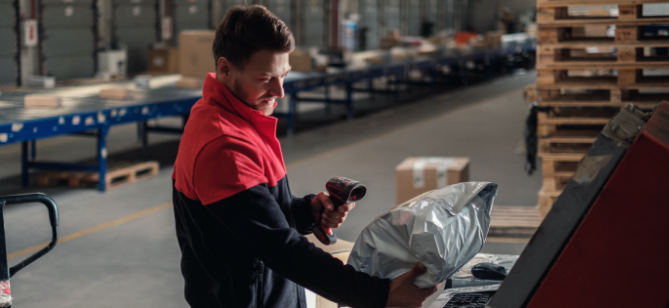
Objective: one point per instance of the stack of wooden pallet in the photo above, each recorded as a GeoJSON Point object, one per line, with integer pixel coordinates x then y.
{"type": "Point", "coordinates": [593, 57]}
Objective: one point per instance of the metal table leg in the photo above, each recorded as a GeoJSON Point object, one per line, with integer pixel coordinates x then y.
{"type": "Point", "coordinates": [397, 89]}
{"type": "Point", "coordinates": [489, 71]}
{"type": "Point", "coordinates": [25, 178]}
{"type": "Point", "coordinates": [349, 101]}
{"type": "Point", "coordinates": [463, 72]}
{"type": "Point", "coordinates": [328, 104]}
{"type": "Point", "coordinates": [142, 126]}
{"type": "Point", "coordinates": [33, 149]}
{"type": "Point", "coordinates": [102, 157]}
{"type": "Point", "coordinates": [370, 88]}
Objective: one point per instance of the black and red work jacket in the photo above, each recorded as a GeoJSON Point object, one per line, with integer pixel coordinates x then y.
{"type": "Point", "coordinates": [238, 225]}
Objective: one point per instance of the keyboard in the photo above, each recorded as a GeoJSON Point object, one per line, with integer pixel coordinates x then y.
{"type": "Point", "coordinates": [469, 300]}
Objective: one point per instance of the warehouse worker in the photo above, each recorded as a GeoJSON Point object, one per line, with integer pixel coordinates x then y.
{"type": "Point", "coordinates": [238, 225]}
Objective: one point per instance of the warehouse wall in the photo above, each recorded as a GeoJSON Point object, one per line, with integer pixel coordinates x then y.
{"type": "Point", "coordinates": [134, 26]}
{"type": "Point", "coordinates": [8, 39]}
{"type": "Point", "coordinates": [67, 39]}
{"type": "Point", "coordinates": [484, 12]}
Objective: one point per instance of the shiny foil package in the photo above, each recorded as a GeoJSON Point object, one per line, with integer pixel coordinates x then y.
{"type": "Point", "coordinates": [443, 229]}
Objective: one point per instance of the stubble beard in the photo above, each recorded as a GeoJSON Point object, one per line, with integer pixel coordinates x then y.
{"type": "Point", "coordinates": [238, 92]}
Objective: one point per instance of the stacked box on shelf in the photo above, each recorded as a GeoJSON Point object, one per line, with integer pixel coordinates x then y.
{"type": "Point", "coordinates": [589, 65]}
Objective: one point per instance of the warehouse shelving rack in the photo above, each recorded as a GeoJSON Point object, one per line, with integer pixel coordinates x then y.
{"type": "Point", "coordinates": [581, 91]}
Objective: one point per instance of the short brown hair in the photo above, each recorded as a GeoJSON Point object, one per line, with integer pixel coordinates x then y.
{"type": "Point", "coordinates": [246, 30]}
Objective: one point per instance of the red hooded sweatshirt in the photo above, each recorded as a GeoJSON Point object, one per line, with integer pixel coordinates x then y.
{"type": "Point", "coordinates": [226, 137]}
{"type": "Point", "coordinates": [239, 227]}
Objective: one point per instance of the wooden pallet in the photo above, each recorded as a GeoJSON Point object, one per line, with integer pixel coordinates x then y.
{"type": "Point", "coordinates": [548, 3]}
{"type": "Point", "coordinates": [567, 103]}
{"type": "Point", "coordinates": [561, 145]}
{"type": "Point", "coordinates": [625, 77]}
{"type": "Point", "coordinates": [530, 93]}
{"type": "Point", "coordinates": [600, 57]}
{"type": "Point", "coordinates": [118, 174]}
{"type": "Point", "coordinates": [546, 200]}
{"type": "Point", "coordinates": [557, 181]}
{"type": "Point", "coordinates": [557, 169]}
{"type": "Point", "coordinates": [551, 164]}
{"type": "Point", "coordinates": [559, 13]}
{"type": "Point", "coordinates": [578, 115]}
{"type": "Point", "coordinates": [514, 221]}
{"type": "Point", "coordinates": [591, 96]}
{"type": "Point", "coordinates": [573, 125]}
{"type": "Point", "coordinates": [568, 130]}
{"type": "Point", "coordinates": [592, 34]}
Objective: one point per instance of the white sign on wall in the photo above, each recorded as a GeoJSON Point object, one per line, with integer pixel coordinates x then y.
{"type": "Point", "coordinates": [30, 32]}
{"type": "Point", "coordinates": [167, 28]}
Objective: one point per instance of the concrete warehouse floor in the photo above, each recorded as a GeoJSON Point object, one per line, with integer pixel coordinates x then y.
{"type": "Point", "coordinates": [119, 249]}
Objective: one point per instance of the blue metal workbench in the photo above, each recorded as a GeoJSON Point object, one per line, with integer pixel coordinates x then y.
{"type": "Point", "coordinates": [83, 112]}
{"type": "Point", "coordinates": [83, 115]}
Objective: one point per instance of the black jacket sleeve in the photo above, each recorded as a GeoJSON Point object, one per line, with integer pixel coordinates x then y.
{"type": "Point", "coordinates": [304, 219]}
{"type": "Point", "coordinates": [254, 218]}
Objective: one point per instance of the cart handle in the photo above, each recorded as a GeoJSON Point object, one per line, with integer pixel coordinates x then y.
{"type": "Point", "coordinates": [53, 218]}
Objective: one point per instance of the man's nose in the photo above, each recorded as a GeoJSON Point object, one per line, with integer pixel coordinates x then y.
{"type": "Point", "coordinates": [277, 88]}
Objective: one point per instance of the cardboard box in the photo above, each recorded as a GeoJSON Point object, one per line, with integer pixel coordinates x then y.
{"type": "Point", "coordinates": [39, 100]}
{"type": "Point", "coordinates": [416, 175]}
{"type": "Point", "coordinates": [589, 31]}
{"type": "Point", "coordinates": [116, 93]}
{"type": "Point", "coordinates": [189, 83]}
{"type": "Point", "coordinates": [196, 58]}
{"type": "Point", "coordinates": [493, 39]}
{"type": "Point", "coordinates": [340, 250]}
{"type": "Point", "coordinates": [392, 39]}
{"type": "Point", "coordinates": [164, 60]}
{"type": "Point", "coordinates": [300, 61]}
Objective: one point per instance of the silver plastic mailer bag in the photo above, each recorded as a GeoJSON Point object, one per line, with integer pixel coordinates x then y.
{"type": "Point", "coordinates": [443, 229]}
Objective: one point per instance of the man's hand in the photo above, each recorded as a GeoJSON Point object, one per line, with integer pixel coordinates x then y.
{"type": "Point", "coordinates": [403, 293]}
{"type": "Point", "coordinates": [322, 206]}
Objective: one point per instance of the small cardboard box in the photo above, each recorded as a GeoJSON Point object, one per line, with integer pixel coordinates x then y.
{"type": "Point", "coordinates": [196, 58]}
{"type": "Point", "coordinates": [40, 100]}
{"type": "Point", "coordinates": [493, 39]}
{"type": "Point", "coordinates": [116, 93]}
{"type": "Point", "coordinates": [189, 83]}
{"type": "Point", "coordinates": [164, 60]}
{"type": "Point", "coordinates": [300, 61]}
{"type": "Point", "coordinates": [340, 250]}
{"type": "Point", "coordinates": [416, 175]}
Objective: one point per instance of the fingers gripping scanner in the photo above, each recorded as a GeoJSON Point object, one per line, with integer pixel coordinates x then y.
{"type": "Point", "coordinates": [342, 190]}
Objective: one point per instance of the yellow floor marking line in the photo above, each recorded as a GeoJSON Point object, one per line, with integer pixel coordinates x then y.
{"type": "Point", "coordinates": [93, 229]}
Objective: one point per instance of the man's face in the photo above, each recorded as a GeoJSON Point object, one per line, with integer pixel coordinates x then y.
{"type": "Point", "coordinates": [261, 81]}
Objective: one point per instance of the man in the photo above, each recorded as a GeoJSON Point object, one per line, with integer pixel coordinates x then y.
{"type": "Point", "coordinates": [239, 227]}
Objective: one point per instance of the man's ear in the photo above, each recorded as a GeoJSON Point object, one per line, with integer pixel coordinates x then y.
{"type": "Point", "coordinates": [223, 67]}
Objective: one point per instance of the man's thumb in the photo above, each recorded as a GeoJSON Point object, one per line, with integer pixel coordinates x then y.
{"type": "Point", "coordinates": [418, 269]}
